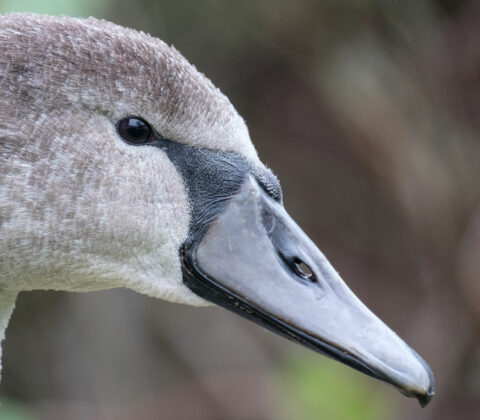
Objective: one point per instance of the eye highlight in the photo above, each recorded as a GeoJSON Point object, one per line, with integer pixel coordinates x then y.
{"type": "Point", "coordinates": [134, 130]}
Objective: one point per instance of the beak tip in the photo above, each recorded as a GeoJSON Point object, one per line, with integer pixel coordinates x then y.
{"type": "Point", "coordinates": [427, 397]}
{"type": "Point", "coordinates": [424, 399]}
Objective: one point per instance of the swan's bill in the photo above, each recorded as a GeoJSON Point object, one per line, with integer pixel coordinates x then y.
{"type": "Point", "coordinates": [256, 261]}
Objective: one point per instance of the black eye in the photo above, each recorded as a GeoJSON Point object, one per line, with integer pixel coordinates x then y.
{"type": "Point", "coordinates": [134, 130]}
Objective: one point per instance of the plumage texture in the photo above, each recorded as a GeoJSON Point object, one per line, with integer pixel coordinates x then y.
{"type": "Point", "coordinates": [94, 64]}
{"type": "Point", "coordinates": [79, 209]}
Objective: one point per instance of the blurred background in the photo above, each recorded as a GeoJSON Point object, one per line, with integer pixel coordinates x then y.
{"type": "Point", "coordinates": [368, 111]}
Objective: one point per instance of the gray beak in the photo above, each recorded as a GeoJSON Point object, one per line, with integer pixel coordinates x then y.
{"type": "Point", "coordinates": [256, 261]}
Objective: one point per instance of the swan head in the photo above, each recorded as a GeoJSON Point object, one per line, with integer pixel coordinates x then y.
{"type": "Point", "coordinates": [123, 166]}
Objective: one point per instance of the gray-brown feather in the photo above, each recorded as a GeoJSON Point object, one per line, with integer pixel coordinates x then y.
{"type": "Point", "coordinates": [51, 62]}
{"type": "Point", "coordinates": [80, 209]}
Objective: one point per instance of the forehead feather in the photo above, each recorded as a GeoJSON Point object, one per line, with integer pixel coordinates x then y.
{"type": "Point", "coordinates": [54, 62]}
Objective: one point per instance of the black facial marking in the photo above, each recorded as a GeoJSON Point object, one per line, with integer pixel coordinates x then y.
{"type": "Point", "coordinates": [211, 178]}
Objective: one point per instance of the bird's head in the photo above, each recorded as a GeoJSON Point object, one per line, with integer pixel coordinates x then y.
{"type": "Point", "coordinates": [123, 166]}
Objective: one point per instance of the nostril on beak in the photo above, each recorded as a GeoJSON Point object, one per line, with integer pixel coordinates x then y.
{"type": "Point", "coordinates": [299, 267]}
{"type": "Point", "coordinates": [303, 270]}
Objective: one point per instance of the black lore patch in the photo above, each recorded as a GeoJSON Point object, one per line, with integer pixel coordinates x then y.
{"type": "Point", "coordinates": [211, 178]}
